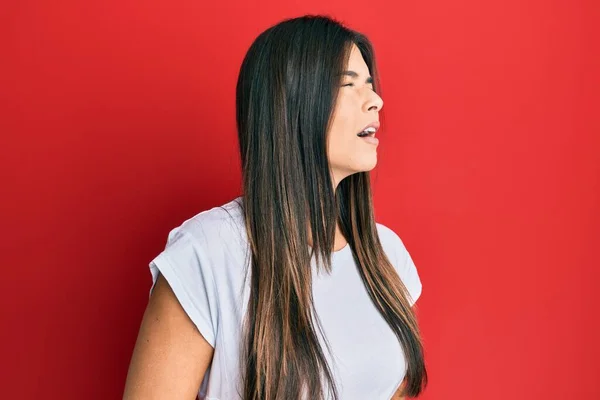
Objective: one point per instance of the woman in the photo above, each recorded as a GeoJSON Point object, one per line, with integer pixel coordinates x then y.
{"type": "Point", "coordinates": [291, 290]}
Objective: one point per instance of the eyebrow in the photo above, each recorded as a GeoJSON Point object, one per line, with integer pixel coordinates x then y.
{"type": "Point", "coordinates": [354, 75]}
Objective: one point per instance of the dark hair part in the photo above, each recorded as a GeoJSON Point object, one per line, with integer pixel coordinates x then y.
{"type": "Point", "coordinates": [285, 96]}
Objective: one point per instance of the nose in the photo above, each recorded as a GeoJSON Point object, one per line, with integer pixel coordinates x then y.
{"type": "Point", "coordinates": [374, 102]}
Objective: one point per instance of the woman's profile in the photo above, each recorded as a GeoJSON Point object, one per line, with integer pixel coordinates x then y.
{"type": "Point", "coordinates": [292, 290]}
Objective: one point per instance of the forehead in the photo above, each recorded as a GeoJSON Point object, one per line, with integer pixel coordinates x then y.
{"type": "Point", "coordinates": [356, 62]}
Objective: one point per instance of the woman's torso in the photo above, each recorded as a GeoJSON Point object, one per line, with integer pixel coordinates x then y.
{"type": "Point", "coordinates": [366, 358]}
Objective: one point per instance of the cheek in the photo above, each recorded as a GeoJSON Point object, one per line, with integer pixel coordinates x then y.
{"type": "Point", "coordinates": [342, 136]}
{"type": "Point", "coordinates": [344, 122]}
{"type": "Point", "coordinates": [342, 142]}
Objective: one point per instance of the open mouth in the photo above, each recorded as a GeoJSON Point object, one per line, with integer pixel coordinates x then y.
{"type": "Point", "coordinates": [369, 132]}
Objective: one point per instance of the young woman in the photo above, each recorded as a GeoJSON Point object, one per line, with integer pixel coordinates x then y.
{"type": "Point", "coordinates": [292, 290]}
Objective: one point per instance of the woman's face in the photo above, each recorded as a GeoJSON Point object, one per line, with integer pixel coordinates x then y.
{"type": "Point", "coordinates": [357, 107]}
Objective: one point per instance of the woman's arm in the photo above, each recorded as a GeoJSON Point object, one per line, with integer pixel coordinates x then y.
{"type": "Point", "coordinates": [170, 355]}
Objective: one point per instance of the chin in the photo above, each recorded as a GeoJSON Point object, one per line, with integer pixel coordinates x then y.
{"type": "Point", "coordinates": [366, 166]}
{"type": "Point", "coordinates": [370, 163]}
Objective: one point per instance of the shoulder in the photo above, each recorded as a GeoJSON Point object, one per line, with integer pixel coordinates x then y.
{"type": "Point", "coordinates": [215, 228]}
{"type": "Point", "coordinates": [390, 240]}
{"type": "Point", "coordinates": [385, 232]}
{"type": "Point", "coordinates": [401, 259]}
{"type": "Point", "coordinates": [212, 242]}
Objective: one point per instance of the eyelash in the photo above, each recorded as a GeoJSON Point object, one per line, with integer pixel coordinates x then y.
{"type": "Point", "coordinates": [352, 84]}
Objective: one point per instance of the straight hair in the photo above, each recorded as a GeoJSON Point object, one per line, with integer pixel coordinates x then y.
{"type": "Point", "coordinates": [285, 96]}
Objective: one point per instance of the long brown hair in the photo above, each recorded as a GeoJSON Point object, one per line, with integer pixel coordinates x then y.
{"type": "Point", "coordinates": [285, 95]}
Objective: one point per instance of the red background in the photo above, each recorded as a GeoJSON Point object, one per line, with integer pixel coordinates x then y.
{"type": "Point", "coordinates": [117, 122]}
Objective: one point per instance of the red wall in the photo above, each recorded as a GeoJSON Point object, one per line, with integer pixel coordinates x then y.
{"type": "Point", "coordinates": [117, 122]}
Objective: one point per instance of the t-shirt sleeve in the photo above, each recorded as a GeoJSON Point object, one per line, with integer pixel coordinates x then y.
{"type": "Point", "coordinates": [410, 277]}
{"type": "Point", "coordinates": [407, 270]}
{"type": "Point", "coordinates": [185, 265]}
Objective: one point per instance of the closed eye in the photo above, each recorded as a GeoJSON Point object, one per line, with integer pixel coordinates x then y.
{"type": "Point", "coordinates": [352, 84]}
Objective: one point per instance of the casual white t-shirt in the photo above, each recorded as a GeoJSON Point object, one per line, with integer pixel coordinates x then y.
{"type": "Point", "coordinates": [204, 262]}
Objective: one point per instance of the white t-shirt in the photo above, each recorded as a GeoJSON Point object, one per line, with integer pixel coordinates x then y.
{"type": "Point", "coordinates": [204, 263]}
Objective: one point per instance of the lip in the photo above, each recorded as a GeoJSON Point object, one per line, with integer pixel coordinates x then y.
{"type": "Point", "coordinates": [374, 124]}
{"type": "Point", "coordinates": [371, 140]}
